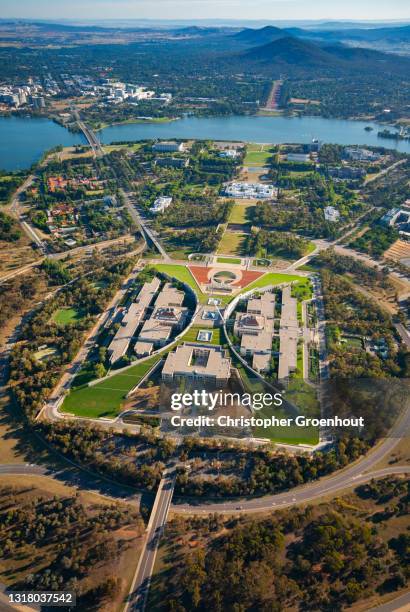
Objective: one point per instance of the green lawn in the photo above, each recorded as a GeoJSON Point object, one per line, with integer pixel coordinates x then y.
{"type": "Point", "coordinates": [183, 274]}
{"type": "Point", "coordinates": [217, 335]}
{"type": "Point", "coordinates": [105, 399]}
{"type": "Point", "coordinates": [285, 435]}
{"type": "Point", "coordinates": [256, 158]}
{"type": "Point", "coordinates": [228, 260]}
{"type": "Point", "coordinates": [272, 278]}
{"type": "Point", "coordinates": [231, 243]}
{"type": "Point", "coordinates": [63, 316]}
{"type": "Point", "coordinates": [241, 212]}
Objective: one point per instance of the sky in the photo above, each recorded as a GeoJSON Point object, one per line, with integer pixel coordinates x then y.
{"type": "Point", "coordinates": [207, 9]}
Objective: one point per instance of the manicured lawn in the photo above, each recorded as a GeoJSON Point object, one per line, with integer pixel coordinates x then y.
{"type": "Point", "coordinates": [182, 274]}
{"type": "Point", "coordinates": [228, 260]}
{"type": "Point", "coordinates": [63, 316]}
{"type": "Point", "coordinates": [217, 335]}
{"type": "Point", "coordinates": [241, 213]}
{"type": "Point", "coordinates": [256, 158]}
{"type": "Point", "coordinates": [285, 435]}
{"type": "Point", "coordinates": [272, 278]}
{"type": "Point", "coordinates": [231, 243]}
{"type": "Point", "coordinates": [105, 399]}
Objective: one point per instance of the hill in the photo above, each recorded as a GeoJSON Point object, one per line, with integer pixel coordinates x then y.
{"type": "Point", "coordinates": [260, 36]}
{"type": "Point", "coordinates": [291, 51]}
{"type": "Point", "coordinates": [293, 55]}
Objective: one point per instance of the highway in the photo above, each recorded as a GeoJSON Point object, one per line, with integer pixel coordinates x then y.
{"type": "Point", "coordinates": [16, 210]}
{"type": "Point", "coordinates": [141, 582]}
{"type": "Point", "coordinates": [357, 473]}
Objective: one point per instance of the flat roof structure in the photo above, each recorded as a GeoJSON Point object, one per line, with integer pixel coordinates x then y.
{"type": "Point", "coordinates": [169, 296]}
{"type": "Point", "coordinates": [259, 317]}
{"type": "Point", "coordinates": [258, 343]}
{"type": "Point", "coordinates": [251, 324]}
{"type": "Point", "coordinates": [289, 316]}
{"type": "Point", "coordinates": [288, 335]}
{"type": "Point", "coordinates": [131, 319]}
{"type": "Point", "coordinates": [158, 327]}
{"type": "Point", "coordinates": [255, 191]}
{"type": "Point", "coordinates": [196, 361]}
{"type": "Point", "coordinates": [143, 348]}
{"type": "Point", "coordinates": [263, 305]}
{"type": "Point", "coordinates": [153, 331]}
{"type": "Point", "coordinates": [288, 353]}
{"type": "Point", "coordinates": [261, 362]}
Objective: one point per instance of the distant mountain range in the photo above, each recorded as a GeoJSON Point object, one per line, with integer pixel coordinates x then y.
{"type": "Point", "coordinates": [289, 55]}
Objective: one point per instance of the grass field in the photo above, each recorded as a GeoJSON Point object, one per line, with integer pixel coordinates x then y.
{"type": "Point", "coordinates": [64, 316]}
{"type": "Point", "coordinates": [184, 275]}
{"type": "Point", "coordinates": [228, 260]}
{"type": "Point", "coordinates": [105, 399]}
{"type": "Point", "coordinates": [217, 335]}
{"type": "Point", "coordinates": [242, 213]}
{"type": "Point", "coordinates": [285, 435]}
{"type": "Point", "coordinates": [231, 243]}
{"type": "Point", "coordinates": [273, 278]}
{"type": "Point", "coordinates": [257, 154]}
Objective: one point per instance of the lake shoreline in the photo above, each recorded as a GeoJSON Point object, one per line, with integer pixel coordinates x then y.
{"type": "Point", "coordinates": [24, 140]}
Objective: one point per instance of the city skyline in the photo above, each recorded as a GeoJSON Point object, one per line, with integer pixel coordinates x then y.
{"type": "Point", "coordinates": [269, 10]}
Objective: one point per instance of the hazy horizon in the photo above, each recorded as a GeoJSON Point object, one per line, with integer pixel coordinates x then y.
{"type": "Point", "coordinates": [191, 10]}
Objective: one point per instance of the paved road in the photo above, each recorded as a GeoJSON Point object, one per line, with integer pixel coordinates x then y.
{"type": "Point", "coordinates": [355, 474]}
{"type": "Point", "coordinates": [300, 495]}
{"type": "Point", "coordinates": [50, 409]}
{"type": "Point", "coordinates": [23, 469]}
{"type": "Point", "coordinates": [385, 171]}
{"type": "Point", "coordinates": [142, 578]}
{"type": "Point", "coordinates": [400, 604]}
{"type": "Point", "coordinates": [142, 223]}
{"type": "Point", "coordinates": [404, 334]}
{"type": "Point", "coordinates": [17, 211]}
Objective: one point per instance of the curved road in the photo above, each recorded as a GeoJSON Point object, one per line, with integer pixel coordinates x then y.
{"type": "Point", "coordinates": [357, 473]}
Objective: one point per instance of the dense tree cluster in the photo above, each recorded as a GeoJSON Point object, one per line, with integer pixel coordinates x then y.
{"type": "Point", "coordinates": [264, 243]}
{"type": "Point", "coordinates": [136, 460]}
{"type": "Point", "coordinates": [362, 273]}
{"type": "Point", "coordinates": [9, 229]}
{"type": "Point", "coordinates": [350, 312]}
{"type": "Point", "coordinates": [71, 540]}
{"type": "Point", "coordinates": [271, 472]}
{"type": "Point", "coordinates": [375, 241]}
{"type": "Point", "coordinates": [17, 294]}
{"type": "Point", "coordinates": [31, 379]}
{"type": "Point", "coordinates": [309, 559]}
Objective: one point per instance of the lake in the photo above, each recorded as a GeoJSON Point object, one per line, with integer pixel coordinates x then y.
{"type": "Point", "coordinates": [24, 140]}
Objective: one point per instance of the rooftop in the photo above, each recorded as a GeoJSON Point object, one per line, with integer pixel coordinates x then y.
{"type": "Point", "coordinates": [197, 360]}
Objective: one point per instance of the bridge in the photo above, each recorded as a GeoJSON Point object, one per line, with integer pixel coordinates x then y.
{"type": "Point", "coordinates": [90, 135]}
